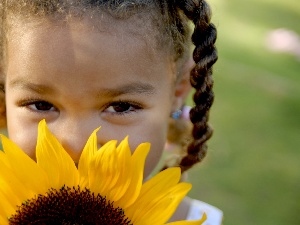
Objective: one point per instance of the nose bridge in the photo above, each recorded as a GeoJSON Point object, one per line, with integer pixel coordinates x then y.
{"type": "Point", "coordinates": [73, 134]}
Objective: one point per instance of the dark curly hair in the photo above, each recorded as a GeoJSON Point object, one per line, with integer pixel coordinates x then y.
{"type": "Point", "coordinates": [172, 22]}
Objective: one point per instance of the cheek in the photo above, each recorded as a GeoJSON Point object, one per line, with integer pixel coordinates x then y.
{"type": "Point", "coordinates": [24, 138]}
{"type": "Point", "coordinates": [22, 133]}
{"type": "Point", "coordinates": [154, 157]}
{"type": "Point", "coordinates": [155, 133]}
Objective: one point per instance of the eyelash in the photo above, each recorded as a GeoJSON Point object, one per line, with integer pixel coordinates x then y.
{"type": "Point", "coordinates": [133, 106]}
{"type": "Point", "coordinates": [28, 104]}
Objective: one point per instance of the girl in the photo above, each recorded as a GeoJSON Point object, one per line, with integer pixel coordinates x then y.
{"type": "Point", "coordinates": [81, 64]}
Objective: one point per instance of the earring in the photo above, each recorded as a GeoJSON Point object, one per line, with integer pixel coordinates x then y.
{"type": "Point", "coordinates": [183, 113]}
{"type": "Point", "coordinates": [176, 114]}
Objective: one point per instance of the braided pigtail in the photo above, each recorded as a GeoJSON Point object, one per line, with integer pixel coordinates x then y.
{"type": "Point", "coordinates": [205, 55]}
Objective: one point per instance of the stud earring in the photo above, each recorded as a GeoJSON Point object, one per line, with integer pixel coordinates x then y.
{"type": "Point", "coordinates": [183, 113]}
{"type": "Point", "coordinates": [176, 114]}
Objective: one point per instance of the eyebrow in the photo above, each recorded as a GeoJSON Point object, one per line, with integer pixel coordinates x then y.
{"type": "Point", "coordinates": [130, 88]}
{"type": "Point", "coordinates": [24, 83]}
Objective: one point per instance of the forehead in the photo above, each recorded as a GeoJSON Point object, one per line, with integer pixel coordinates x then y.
{"type": "Point", "coordinates": [129, 30]}
{"type": "Point", "coordinates": [83, 47]}
{"type": "Point", "coordinates": [146, 25]}
{"type": "Point", "coordinates": [135, 31]}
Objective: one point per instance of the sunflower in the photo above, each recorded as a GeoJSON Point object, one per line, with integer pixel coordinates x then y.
{"type": "Point", "coordinates": [106, 188]}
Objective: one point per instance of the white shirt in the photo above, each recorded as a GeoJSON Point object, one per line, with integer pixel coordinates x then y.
{"type": "Point", "coordinates": [197, 208]}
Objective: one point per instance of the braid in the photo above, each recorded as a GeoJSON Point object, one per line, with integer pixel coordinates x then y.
{"type": "Point", "coordinates": [205, 55]}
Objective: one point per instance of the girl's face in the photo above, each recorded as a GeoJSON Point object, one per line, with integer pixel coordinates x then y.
{"type": "Point", "coordinates": [81, 78]}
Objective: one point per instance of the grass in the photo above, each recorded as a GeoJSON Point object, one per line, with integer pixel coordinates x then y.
{"type": "Point", "coordinates": [252, 169]}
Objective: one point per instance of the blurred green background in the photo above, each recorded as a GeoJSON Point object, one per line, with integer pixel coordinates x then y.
{"type": "Point", "coordinates": [252, 170]}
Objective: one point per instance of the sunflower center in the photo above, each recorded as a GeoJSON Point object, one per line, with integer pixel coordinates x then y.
{"type": "Point", "coordinates": [69, 206]}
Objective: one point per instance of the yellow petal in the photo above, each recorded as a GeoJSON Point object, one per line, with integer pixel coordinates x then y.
{"type": "Point", "coordinates": [3, 158]}
{"type": "Point", "coordinates": [12, 191]}
{"type": "Point", "coordinates": [10, 184]}
{"type": "Point", "coordinates": [3, 220]}
{"type": "Point", "coordinates": [104, 169]}
{"type": "Point", "coordinates": [86, 156]}
{"type": "Point", "coordinates": [158, 209]}
{"type": "Point", "coordinates": [25, 169]}
{"type": "Point", "coordinates": [52, 157]}
{"type": "Point", "coordinates": [117, 175]}
{"type": "Point", "coordinates": [154, 190]}
{"type": "Point", "coordinates": [119, 186]}
{"type": "Point", "coordinates": [136, 172]}
{"type": "Point", "coordinates": [9, 195]}
{"type": "Point", "coordinates": [194, 222]}
{"type": "Point", "coordinates": [6, 209]}
{"type": "Point", "coordinates": [160, 182]}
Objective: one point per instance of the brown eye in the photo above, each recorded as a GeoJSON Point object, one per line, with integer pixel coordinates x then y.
{"type": "Point", "coordinates": [41, 106]}
{"type": "Point", "coordinates": [121, 107]}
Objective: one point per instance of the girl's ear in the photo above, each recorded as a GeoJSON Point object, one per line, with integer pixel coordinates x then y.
{"type": "Point", "coordinates": [183, 85]}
